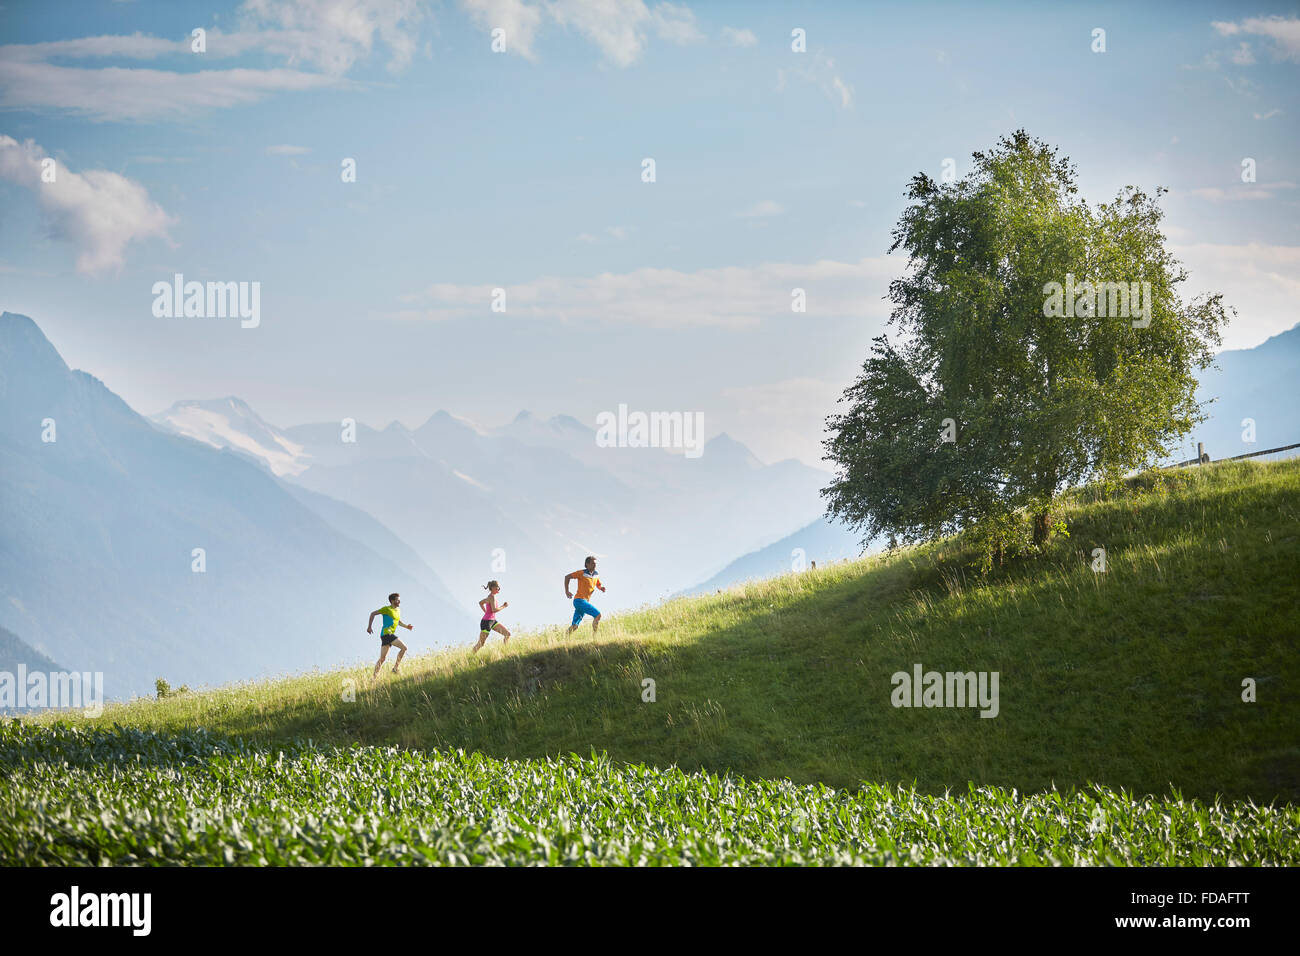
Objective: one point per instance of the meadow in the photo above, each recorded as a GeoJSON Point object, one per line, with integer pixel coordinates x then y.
{"type": "Point", "coordinates": [1126, 729]}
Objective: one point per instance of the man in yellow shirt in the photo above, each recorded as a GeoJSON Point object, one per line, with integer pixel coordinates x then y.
{"type": "Point", "coordinates": [588, 581]}
{"type": "Point", "coordinates": [388, 634]}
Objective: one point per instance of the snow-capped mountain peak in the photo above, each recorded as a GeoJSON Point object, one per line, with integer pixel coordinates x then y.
{"type": "Point", "coordinates": [230, 423]}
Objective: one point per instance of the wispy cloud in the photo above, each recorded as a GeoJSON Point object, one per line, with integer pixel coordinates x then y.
{"type": "Point", "coordinates": [1261, 281]}
{"type": "Point", "coordinates": [742, 37]}
{"type": "Point", "coordinates": [761, 209]}
{"type": "Point", "coordinates": [115, 93]}
{"type": "Point", "coordinates": [517, 19]}
{"type": "Point", "coordinates": [620, 29]}
{"type": "Point", "coordinates": [284, 149]}
{"type": "Point", "coordinates": [1242, 56]}
{"type": "Point", "coordinates": [328, 36]}
{"type": "Point", "coordinates": [136, 46]}
{"type": "Point", "coordinates": [730, 297]}
{"type": "Point", "coordinates": [1283, 31]}
{"type": "Point", "coordinates": [98, 211]}
{"type": "Point", "coordinates": [1247, 192]}
{"type": "Point", "coordinates": [617, 233]}
{"type": "Point", "coordinates": [333, 35]}
{"type": "Point", "coordinates": [819, 70]}
{"type": "Point", "coordinates": [320, 41]}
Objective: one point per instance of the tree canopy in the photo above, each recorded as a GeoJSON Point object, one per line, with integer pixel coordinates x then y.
{"type": "Point", "coordinates": [1039, 342]}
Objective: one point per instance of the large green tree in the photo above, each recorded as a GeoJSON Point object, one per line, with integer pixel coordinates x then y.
{"type": "Point", "coordinates": [1007, 379]}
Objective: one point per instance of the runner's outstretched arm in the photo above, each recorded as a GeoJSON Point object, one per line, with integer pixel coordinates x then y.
{"type": "Point", "coordinates": [371, 623]}
{"type": "Point", "coordinates": [567, 578]}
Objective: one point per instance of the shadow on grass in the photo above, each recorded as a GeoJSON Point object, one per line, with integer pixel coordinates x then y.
{"type": "Point", "coordinates": [803, 691]}
{"type": "Point", "coordinates": [1111, 682]}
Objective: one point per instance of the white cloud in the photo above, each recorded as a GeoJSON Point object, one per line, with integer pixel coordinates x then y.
{"type": "Point", "coordinates": [284, 149]}
{"type": "Point", "coordinates": [767, 207]}
{"type": "Point", "coordinates": [98, 211]}
{"type": "Point", "coordinates": [742, 37]}
{"type": "Point", "coordinates": [675, 23]}
{"type": "Point", "coordinates": [115, 93]}
{"type": "Point", "coordinates": [618, 233]}
{"type": "Point", "coordinates": [819, 70]}
{"type": "Point", "coordinates": [1283, 31]}
{"type": "Point", "coordinates": [620, 27]}
{"type": "Point", "coordinates": [729, 297]}
{"type": "Point", "coordinates": [783, 418]}
{"type": "Point", "coordinates": [1242, 55]}
{"type": "Point", "coordinates": [519, 20]}
{"type": "Point", "coordinates": [1269, 115]}
{"type": "Point", "coordinates": [137, 46]}
{"type": "Point", "coordinates": [844, 90]}
{"type": "Point", "coordinates": [1243, 192]}
{"type": "Point", "coordinates": [1240, 84]}
{"type": "Point", "coordinates": [1261, 281]}
{"type": "Point", "coordinates": [329, 35]}
{"type": "Point", "coordinates": [332, 34]}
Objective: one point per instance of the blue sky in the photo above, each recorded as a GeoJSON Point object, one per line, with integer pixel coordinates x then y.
{"type": "Point", "coordinates": [522, 170]}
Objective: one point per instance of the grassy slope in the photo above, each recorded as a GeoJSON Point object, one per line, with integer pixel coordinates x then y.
{"type": "Point", "coordinates": [1130, 678]}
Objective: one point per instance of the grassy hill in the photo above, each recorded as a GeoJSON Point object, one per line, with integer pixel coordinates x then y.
{"type": "Point", "coordinates": [1130, 678]}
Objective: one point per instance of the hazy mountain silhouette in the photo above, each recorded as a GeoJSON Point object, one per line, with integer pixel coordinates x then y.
{"type": "Point", "coordinates": [821, 541]}
{"type": "Point", "coordinates": [526, 502]}
{"type": "Point", "coordinates": [1261, 383]}
{"type": "Point", "coordinates": [98, 527]}
{"type": "Point", "coordinates": [14, 651]}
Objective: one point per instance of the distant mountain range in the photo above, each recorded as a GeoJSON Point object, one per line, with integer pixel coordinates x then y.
{"type": "Point", "coordinates": [526, 502]}
{"type": "Point", "coordinates": [662, 524]}
{"type": "Point", "coordinates": [14, 651]}
{"type": "Point", "coordinates": [306, 529]}
{"type": "Point", "coordinates": [1261, 384]}
{"type": "Point", "coordinates": [99, 529]}
{"type": "Point", "coordinates": [230, 423]}
{"type": "Point", "coordinates": [15, 655]}
{"type": "Point", "coordinates": [821, 542]}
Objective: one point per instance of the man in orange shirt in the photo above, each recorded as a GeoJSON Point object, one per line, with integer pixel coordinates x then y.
{"type": "Point", "coordinates": [588, 581]}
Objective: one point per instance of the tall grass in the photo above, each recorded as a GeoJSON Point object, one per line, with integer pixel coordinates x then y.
{"type": "Point", "coordinates": [1131, 679]}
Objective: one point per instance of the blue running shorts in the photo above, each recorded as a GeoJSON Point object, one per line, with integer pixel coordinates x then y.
{"type": "Point", "coordinates": [581, 607]}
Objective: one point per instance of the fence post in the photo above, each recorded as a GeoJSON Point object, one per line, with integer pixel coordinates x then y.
{"type": "Point", "coordinates": [1201, 456]}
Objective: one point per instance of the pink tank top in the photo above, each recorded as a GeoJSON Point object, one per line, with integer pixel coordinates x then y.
{"type": "Point", "coordinates": [488, 613]}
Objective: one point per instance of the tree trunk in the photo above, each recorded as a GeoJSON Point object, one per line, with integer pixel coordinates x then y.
{"type": "Point", "coordinates": [1042, 526]}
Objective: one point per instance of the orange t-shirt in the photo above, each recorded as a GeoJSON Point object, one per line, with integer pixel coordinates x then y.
{"type": "Point", "coordinates": [587, 584]}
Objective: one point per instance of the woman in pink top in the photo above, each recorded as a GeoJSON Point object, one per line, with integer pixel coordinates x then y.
{"type": "Point", "coordinates": [490, 622]}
